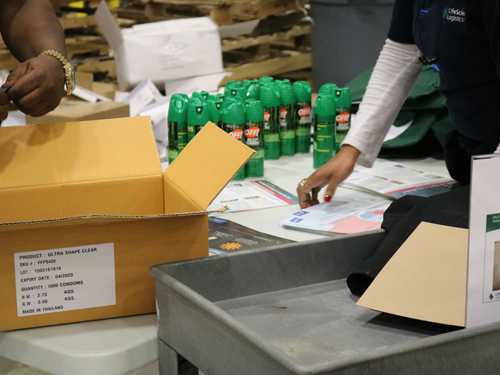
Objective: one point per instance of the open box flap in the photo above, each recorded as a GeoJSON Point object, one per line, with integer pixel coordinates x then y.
{"type": "Point", "coordinates": [426, 278]}
{"type": "Point", "coordinates": [202, 169]}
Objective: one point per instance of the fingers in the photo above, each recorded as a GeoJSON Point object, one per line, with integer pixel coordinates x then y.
{"type": "Point", "coordinates": [4, 112]}
{"type": "Point", "coordinates": [25, 85]}
{"type": "Point", "coordinates": [33, 103]}
{"type": "Point", "coordinates": [330, 190]}
{"type": "Point", "coordinates": [314, 196]}
{"type": "Point", "coordinates": [36, 86]}
{"type": "Point", "coordinates": [4, 98]}
{"type": "Point", "coordinates": [308, 189]}
{"type": "Point", "coordinates": [303, 191]}
{"type": "Point", "coordinates": [21, 70]}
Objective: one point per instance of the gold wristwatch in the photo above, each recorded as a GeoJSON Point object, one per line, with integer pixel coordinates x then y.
{"type": "Point", "coordinates": [69, 72]}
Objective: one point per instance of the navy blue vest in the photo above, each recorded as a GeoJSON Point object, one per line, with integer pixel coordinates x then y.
{"type": "Point", "coordinates": [452, 35]}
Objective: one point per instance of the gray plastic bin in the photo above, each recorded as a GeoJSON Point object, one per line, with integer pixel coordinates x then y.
{"type": "Point", "coordinates": [347, 37]}
{"type": "Point", "coordinates": [287, 311]}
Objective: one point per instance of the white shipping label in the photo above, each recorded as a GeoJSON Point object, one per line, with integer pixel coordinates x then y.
{"type": "Point", "coordinates": [72, 278]}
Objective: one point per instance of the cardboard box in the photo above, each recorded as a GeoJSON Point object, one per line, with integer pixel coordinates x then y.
{"type": "Point", "coordinates": [86, 211]}
{"type": "Point", "coordinates": [161, 51]}
{"type": "Point", "coordinates": [78, 110]}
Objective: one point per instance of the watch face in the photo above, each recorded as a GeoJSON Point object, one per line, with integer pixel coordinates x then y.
{"type": "Point", "coordinates": [70, 84]}
{"type": "Point", "coordinates": [73, 76]}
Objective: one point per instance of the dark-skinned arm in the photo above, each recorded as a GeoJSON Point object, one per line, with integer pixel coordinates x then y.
{"type": "Point", "coordinates": [30, 27]}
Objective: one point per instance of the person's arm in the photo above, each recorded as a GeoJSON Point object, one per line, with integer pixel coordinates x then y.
{"type": "Point", "coordinates": [393, 76]}
{"type": "Point", "coordinates": [395, 73]}
{"type": "Point", "coordinates": [30, 27]}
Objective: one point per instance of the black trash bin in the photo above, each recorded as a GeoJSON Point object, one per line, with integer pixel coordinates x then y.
{"type": "Point", "coordinates": [347, 37]}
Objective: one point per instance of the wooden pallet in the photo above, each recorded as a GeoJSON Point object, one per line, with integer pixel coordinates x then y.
{"type": "Point", "coordinates": [77, 47]}
{"type": "Point", "coordinates": [223, 12]}
{"type": "Point", "coordinates": [287, 61]}
{"type": "Point", "coordinates": [231, 44]}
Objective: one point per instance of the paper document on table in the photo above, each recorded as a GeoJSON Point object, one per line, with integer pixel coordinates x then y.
{"type": "Point", "coordinates": [251, 195]}
{"type": "Point", "coordinates": [395, 180]}
{"type": "Point", "coordinates": [348, 213]}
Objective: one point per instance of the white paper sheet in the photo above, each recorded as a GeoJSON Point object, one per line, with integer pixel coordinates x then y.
{"type": "Point", "coordinates": [350, 212]}
{"type": "Point", "coordinates": [394, 179]}
{"type": "Point", "coordinates": [145, 94]}
{"type": "Point", "coordinates": [88, 95]}
{"type": "Point", "coordinates": [15, 118]}
{"type": "Point", "coordinates": [251, 195]}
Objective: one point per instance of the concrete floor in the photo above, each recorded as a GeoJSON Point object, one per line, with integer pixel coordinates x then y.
{"type": "Point", "coordinates": [8, 367]}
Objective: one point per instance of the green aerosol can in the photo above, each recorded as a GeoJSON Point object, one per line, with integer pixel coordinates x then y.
{"type": "Point", "coordinates": [303, 116]}
{"type": "Point", "coordinates": [287, 118]}
{"type": "Point", "coordinates": [324, 129]}
{"type": "Point", "coordinates": [343, 100]}
{"type": "Point", "coordinates": [235, 89]}
{"type": "Point", "coordinates": [253, 90]}
{"type": "Point", "coordinates": [271, 102]}
{"type": "Point", "coordinates": [197, 116]}
{"type": "Point", "coordinates": [215, 104]}
{"type": "Point", "coordinates": [177, 125]}
{"type": "Point", "coordinates": [254, 137]}
{"type": "Point", "coordinates": [233, 122]}
{"type": "Point", "coordinates": [328, 89]}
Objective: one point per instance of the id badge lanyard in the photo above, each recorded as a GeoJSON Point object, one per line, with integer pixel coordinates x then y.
{"type": "Point", "coordinates": [427, 29]}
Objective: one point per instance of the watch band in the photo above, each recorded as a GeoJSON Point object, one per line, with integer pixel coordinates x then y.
{"type": "Point", "coordinates": [69, 84]}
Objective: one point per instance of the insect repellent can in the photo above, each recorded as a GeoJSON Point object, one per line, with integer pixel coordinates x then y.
{"type": "Point", "coordinates": [197, 116]}
{"type": "Point", "coordinates": [233, 122]}
{"type": "Point", "coordinates": [235, 89]}
{"type": "Point", "coordinates": [287, 118]}
{"type": "Point", "coordinates": [328, 89]}
{"type": "Point", "coordinates": [303, 116]}
{"type": "Point", "coordinates": [254, 137]}
{"type": "Point", "coordinates": [197, 95]}
{"type": "Point", "coordinates": [343, 102]}
{"type": "Point", "coordinates": [324, 129]}
{"type": "Point", "coordinates": [253, 90]}
{"type": "Point", "coordinates": [177, 125]}
{"type": "Point", "coordinates": [204, 95]}
{"type": "Point", "coordinates": [271, 102]}
{"type": "Point", "coordinates": [266, 80]}
{"type": "Point", "coordinates": [215, 106]}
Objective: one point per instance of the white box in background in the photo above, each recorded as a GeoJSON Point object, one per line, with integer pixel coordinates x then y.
{"type": "Point", "coordinates": [161, 51]}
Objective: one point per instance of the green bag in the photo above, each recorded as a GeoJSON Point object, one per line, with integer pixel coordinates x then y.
{"type": "Point", "coordinates": [427, 83]}
{"type": "Point", "coordinates": [425, 108]}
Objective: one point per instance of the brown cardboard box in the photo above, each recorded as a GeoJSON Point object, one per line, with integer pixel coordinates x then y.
{"type": "Point", "coordinates": [86, 211]}
{"type": "Point", "coordinates": [426, 279]}
{"type": "Point", "coordinates": [78, 110]}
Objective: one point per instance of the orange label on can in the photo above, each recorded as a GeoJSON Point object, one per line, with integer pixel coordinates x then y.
{"type": "Point", "coordinates": [237, 134]}
{"type": "Point", "coordinates": [252, 132]}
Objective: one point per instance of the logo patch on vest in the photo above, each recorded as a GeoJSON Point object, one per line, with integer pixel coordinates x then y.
{"type": "Point", "coordinates": [454, 15]}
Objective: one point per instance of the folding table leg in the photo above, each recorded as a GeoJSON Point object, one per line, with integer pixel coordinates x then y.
{"type": "Point", "coordinates": [169, 360]}
{"type": "Point", "coordinates": [171, 363]}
